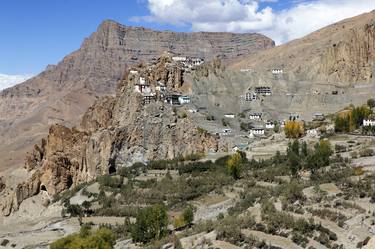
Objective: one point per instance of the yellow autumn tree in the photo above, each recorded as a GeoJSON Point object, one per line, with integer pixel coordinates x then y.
{"type": "Point", "coordinates": [234, 164]}
{"type": "Point", "coordinates": [293, 129]}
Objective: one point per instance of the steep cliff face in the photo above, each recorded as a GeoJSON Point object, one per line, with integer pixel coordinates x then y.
{"type": "Point", "coordinates": [62, 93]}
{"type": "Point", "coordinates": [115, 132]}
{"type": "Point", "coordinates": [351, 59]}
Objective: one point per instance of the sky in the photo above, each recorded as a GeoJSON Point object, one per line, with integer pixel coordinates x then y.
{"type": "Point", "coordinates": [35, 33]}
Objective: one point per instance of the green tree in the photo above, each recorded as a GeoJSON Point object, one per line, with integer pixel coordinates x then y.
{"type": "Point", "coordinates": [151, 224]}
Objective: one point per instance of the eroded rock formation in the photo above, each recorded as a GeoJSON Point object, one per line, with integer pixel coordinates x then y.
{"type": "Point", "coordinates": [115, 132]}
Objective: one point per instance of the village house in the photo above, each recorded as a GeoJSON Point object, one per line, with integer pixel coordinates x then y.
{"type": "Point", "coordinates": [179, 58]}
{"type": "Point", "coordinates": [142, 88]}
{"type": "Point", "coordinates": [133, 72]}
{"type": "Point", "coordinates": [172, 98]}
{"type": "Point", "coordinates": [319, 116]}
{"type": "Point", "coordinates": [188, 62]}
{"type": "Point", "coordinates": [148, 98]}
{"type": "Point", "coordinates": [312, 132]}
{"type": "Point", "coordinates": [270, 125]}
{"type": "Point", "coordinates": [263, 90]}
{"type": "Point", "coordinates": [257, 131]}
{"type": "Point", "coordinates": [255, 116]}
{"type": "Point", "coordinates": [193, 110]}
{"type": "Point", "coordinates": [226, 131]}
{"type": "Point", "coordinates": [160, 87]}
{"type": "Point", "coordinates": [184, 100]}
{"type": "Point", "coordinates": [250, 96]}
{"type": "Point", "coordinates": [240, 147]}
{"type": "Point", "coordinates": [277, 71]}
{"type": "Point", "coordinates": [229, 115]}
{"type": "Point", "coordinates": [293, 116]}
{"type": "Point", "coordinates": [368, 122]}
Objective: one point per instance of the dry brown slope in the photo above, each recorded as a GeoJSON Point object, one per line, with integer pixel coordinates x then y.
{"type": "Point", "coordinates": [63, 92]}
{"type": "Point", "coordinates": [342, 53]}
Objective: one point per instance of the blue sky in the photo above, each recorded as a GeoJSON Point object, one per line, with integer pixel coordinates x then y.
{"type": "Point", "coordinates": [35, 33]}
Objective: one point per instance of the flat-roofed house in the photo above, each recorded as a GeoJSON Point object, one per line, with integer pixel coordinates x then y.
{"type": "Point", "coordinates": [255, 116]}
{"type": "Point", "coordinates": [368, 122]}
{"type": "Point", "coordinates": [257, 131]}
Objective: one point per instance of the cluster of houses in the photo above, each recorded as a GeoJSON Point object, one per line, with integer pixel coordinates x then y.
{"type": "Point", "coordinates": [188, 62]}
{"type": "Point", "coordinates": [261, 90]}
{"type": "Point", "coordinates": [159, 92]}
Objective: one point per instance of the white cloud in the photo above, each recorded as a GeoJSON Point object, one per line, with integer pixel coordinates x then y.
{"type": "Point", "coordinates": [241, 16]}
{"type": "Point", "coordinates": [11, 80]}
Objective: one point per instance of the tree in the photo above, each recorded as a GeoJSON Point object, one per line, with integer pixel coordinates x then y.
{"type": "Point", "coordinates": [293, 129]}
{"type": "Point", "coordinates": [235, 163]}
{"type": "Point", "coordinates": [293, 156]}
{"type": "Point", "coordinates": [151, 224]}
{"type": "Point", "coordinates": [320, 157]}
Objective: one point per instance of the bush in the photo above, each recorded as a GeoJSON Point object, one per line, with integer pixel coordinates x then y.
{"type": "Point", "coordinates": [103, 238]}
{"type": "Point", "coordinates": [371, 103]}
{"type": "Point", "coordinates": [366, 152]}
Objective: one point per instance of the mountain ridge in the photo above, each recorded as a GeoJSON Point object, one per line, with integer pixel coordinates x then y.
{"type": "Point", "coordinates": [62, 93]}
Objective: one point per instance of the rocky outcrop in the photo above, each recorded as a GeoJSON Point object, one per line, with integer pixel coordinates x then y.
{"type": "Point", "coordinates": [115, 132]}
{"type": "Point", "coordinates": [62, 93]}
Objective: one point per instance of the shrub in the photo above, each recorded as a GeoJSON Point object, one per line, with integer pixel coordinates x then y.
{"type": "Point", "coordinates": [366, 152]}
{"type": "Point", "coordinates": [371, 103]}
{"type": "Point", "coordinates": [103, 238]}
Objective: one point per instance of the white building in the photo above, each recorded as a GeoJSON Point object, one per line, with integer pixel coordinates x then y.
{"type": "Point", "coordinates": [142, 81]}
{"type": "Point", "coordinates": [192, 110]}
{"type": "Point", "coordinates": [160, 87]}
{"type": "Point", "coordinates": [257, 131]}
{"type": "Point", "coordinates": [294, 116]}
{"type": "Point", "coordinates": [319, 116]}
{"type": "Point", "coordinates": [270, 125]}
{"type": "Point", "coordinates": [277, 71]}
{"type": "Point", "coordinates": [368, 122]}
{"type": "Point", "coordinates": [250, 96]}
{"type": "Point", "coordinates": [184, 100]}
{"type": "Point", "coordinates": [141, 88]}
{"type": "Point", "coordinates": [255, 116]}
{"type": "Point", "coordinates": [179, 58]}
{"type": "Point", "coordinates": [133, 72]}
{"type": "Point", "coordinates": [312, 132]}
{"type": "Point", "coordinates": [229, 115]}
{"type": "Point", "coordinates": [226, 131]}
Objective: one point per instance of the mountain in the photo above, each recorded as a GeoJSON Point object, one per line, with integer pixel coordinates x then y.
{"type": "Point", "coordinates": [342, 54]}
{"type": "Point", "coordinates": [62, 93]}
{"type": "Point", "coordinates": [115, 132]}
{"type": "Point", "coordinates": [321, 73]}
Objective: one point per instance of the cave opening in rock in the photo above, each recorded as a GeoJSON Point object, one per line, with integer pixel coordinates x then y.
{"type": "Point", "coordinates": [112, 169]}
{"type": "Point", "coordinates": [43, 188]}
{"type": "Point", "coordinates": [69, 181]}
